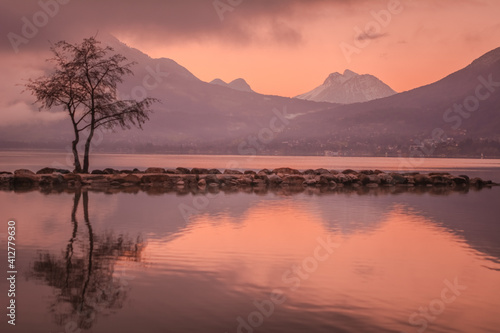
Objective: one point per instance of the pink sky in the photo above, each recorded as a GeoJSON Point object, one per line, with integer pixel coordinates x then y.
{"type": "Point", "coordinates": [281, 47]}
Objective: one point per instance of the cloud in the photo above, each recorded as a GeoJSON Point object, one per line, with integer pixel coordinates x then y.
{"type": "Point", "coordinates": [31, 24]}
{"type": "Point", "coordinates": [21, 113]}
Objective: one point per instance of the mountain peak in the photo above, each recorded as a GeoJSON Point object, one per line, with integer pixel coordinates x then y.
{"type": "Point", "coordinates": [348, 88]}
{"type": "Point", "coordinates": [238, 84]}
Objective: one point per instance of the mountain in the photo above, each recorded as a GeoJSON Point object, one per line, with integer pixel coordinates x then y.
{"type": "Point", "coordinates": [238, 84]}
{"type": "Point", "coordinates": [461, 107]}
{"type": "Point", "coordinates": [191, 112]}
{"type": "Point", "coordinates": [349, 88]}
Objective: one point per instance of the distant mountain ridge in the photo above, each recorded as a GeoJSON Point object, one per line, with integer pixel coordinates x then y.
{"type": "Point", "coordinates": [349, 88]}
{"type": "Point", "coordinates": [238, 84]}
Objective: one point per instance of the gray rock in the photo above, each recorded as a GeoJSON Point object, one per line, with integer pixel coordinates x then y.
{"type": "Point", "coordinates": [154, 170]}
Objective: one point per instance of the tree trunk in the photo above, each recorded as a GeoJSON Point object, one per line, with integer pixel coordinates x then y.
{"type": "Point", "coordinates": [86, 161]}
{"type": "Point", "coordinates": [78, 166]}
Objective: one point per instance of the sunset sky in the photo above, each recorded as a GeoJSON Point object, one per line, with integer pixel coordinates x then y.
{"type": "Point", "coordinates": [281, 47]}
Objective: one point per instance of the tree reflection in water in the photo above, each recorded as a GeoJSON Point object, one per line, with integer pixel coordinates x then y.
{"type": "Point", "coordinates": [84, 276]}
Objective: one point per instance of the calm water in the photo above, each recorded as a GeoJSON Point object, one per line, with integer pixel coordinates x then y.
{"type": "Point", "coordinates": [245, 262]}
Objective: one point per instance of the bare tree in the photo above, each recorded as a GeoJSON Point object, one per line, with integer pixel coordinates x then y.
{"type": "Point", "coordinates": [84, 82]}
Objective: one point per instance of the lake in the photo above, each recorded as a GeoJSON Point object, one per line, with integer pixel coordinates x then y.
{"type": "Point", "coordinates": [373, 261]}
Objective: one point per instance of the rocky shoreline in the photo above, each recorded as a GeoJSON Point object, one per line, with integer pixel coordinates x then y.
{"type": "Point", "coordinates": [182, 180]}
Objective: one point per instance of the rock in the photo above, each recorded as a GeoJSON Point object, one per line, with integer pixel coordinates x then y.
{"type": "Point", "coordinates": [199, 171]}
{"type": "Point", "coordinates": [127, 172]}
{"type": "Point", "coordinates": [212, 179]}
{"type": "Point", "coordinates": [422, 180]}
{"type": "Point", "coordinates": [180, 183]}
{"type": "Point", "coordinates": [372, 178]}
{"type": "Point", "coordinates": [366, 172]}
{"type": "Point", "coordinates": [325, 179]}
{"type": "Point", "coordinates": [385, 179]}
{"type": "Point", "coordinates": [5, 173]}
{"type": "Point", "coordinates": [264, 172]}
{"type": "Point", "coordinates": [334, 172]}
{"type": "Point", "coordinates": [465, 177]}
{"type": "Point", "coordinates": [398, 179]}
{"type": "Point", "coordinates": [136, 171]}
{"type": "Point", "coordinates": [294, 180]}
{"type": "Point", "coordinates": [183, 171]}
{"type": "Point", "coordinates": [154, 170]}
{"type": "Point", "coordinates": [97, 172]}
{"type": "Point", "coordinates": [286, 171]}
{"type": "Point", "coordinates": [478, 182]}
{"type": "Point", "coordinates": [134, 179]}
{"type": "Point", "coordinates": [22, 172]}
{"type": "Point", "coordinates": [349, 172]}
{"type": "Point", "coordinates": [439, 174]}
{"type": "Point", "coordinates": [460, 181]}
{"type": "Point", "coordinates": [232, 172]}
{"type": "Point", "coordinates": [245, 181]}
{"type": "Point", "coordinates": [250, 172]}
{"type": "Point", "coordinates": [309, 172]}
{"type": "Point", "coordinates": [321, 171]}
{"type": "Point", "coordinates": [48, 171]}
{"type": "Point", "coordinates": [155, 178]}
{"type": "Point", "coordinates": [110, 171]}
{"type": "Point", "coordinates": [173, 172]}
{"type": "Point", "coordinates": [311, 182]}
{"type": "Point", "coordinates": [438, 179]}
{"type": "Point", "coordinates": [214, 172]}
{"type": "Point", "coordinates": [273, 180]}
{"type": "Point", "coordinates": [202, 183]}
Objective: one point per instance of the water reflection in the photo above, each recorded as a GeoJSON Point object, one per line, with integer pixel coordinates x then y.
{"type": "Point", "coordinates": [84, 275]}
{"type": "Point", "coordinates": [396, 250]}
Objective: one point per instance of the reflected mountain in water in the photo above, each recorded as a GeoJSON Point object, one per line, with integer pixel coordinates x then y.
{"type": "Point", "coordinates": [85, 277]}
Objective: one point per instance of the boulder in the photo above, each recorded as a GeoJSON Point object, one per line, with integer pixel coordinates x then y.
{"type": "Point", "coordinates": [398, 179]}
{"type": "Point", "coordinates": [155, 178]}
{"type": "Point", "coordinates": [48, 171]}
{"type": "Point", "coordinates": [214, 172]}
{"type": "Point", "coordinates": [321, 171]}
{"type": "Point", "coordinates": [133, 179]}
{"type": "Point", "coordinates": [110, 171]}
{"type": "Point", "coordinates": [22, 172]}
{"type": "Point", "coordinates": [264, 172]}
{"type": "Point", "coordinates": [154, 170]}
{"type": "Point", "coordinates": [349, 172]}
{"type": "Point", "coordinates": [422, 180]}
{"type": "Point", "coordinates": [286, 171]}
{"type": "Point", "coordinates": [183, 171]}
{"type": "Point", "coordinates": [97, 172]}
{"type": "Point", "coordinates": [294, 180]}
{"type": "Point", "coordinates": [250, 172]}
{"type": "Point", "coordinates": [199, 171]}
{"type": "Point", "coordinates": [202, 183]}
{"type": "Point", "coordinates": [273, 180]}
{"type": "Point", "coordinates": [309, 172]}
{"type": "Point", "coordinates": [232, 172]}
{"type": "Point", "coordinates": [325, 179]}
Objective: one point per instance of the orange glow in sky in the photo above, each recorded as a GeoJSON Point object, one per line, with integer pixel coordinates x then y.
{"type": "Point", "coordinates": [419, 43]}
